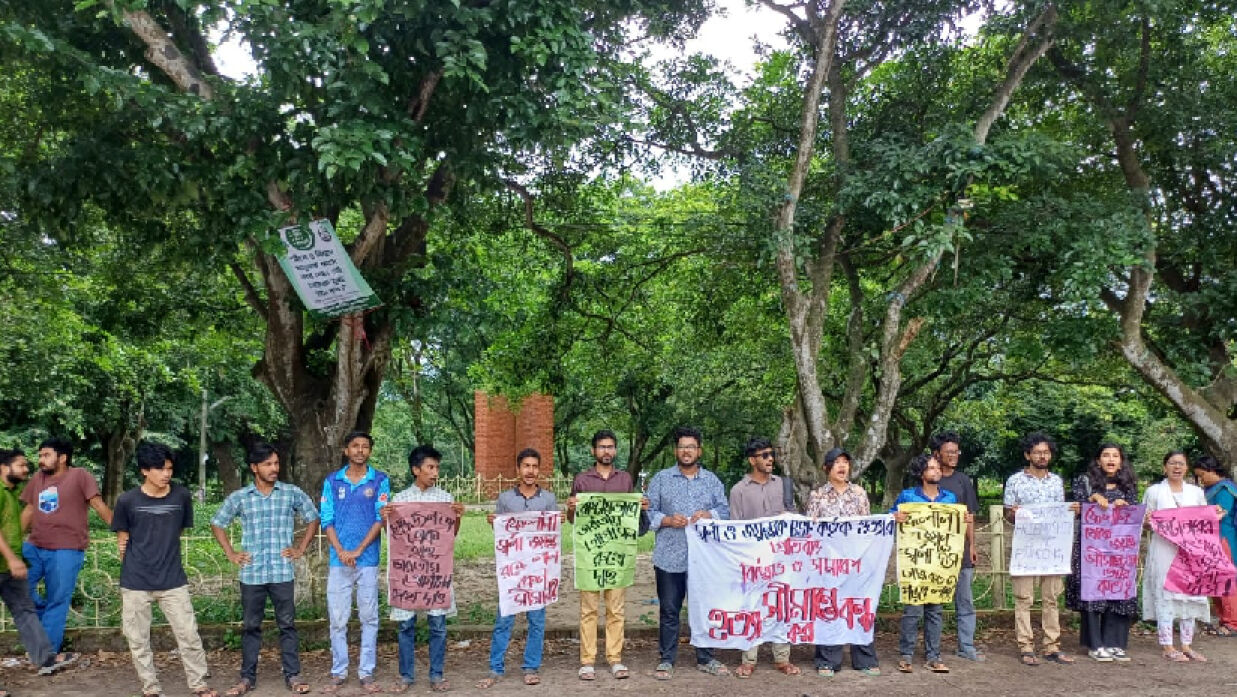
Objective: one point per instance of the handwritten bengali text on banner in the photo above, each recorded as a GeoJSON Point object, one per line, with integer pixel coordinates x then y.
{"type": "Point", "coordinates": [527, 560]}
{"type": "Point", "coordinates": [1201, 567]}
{"type": "Point", "coordinates": [786, 579]}
{"type": "Point", "coordinates": [604, 538]}
{"type": "Point", "coordinates": [1043, 540]}
{"type": "Point", "coordinates": [930, 546]}
{"type": "Point", "coordinates": [420, 556]}
{"type": "Point", "coordinates": [1109, 551]}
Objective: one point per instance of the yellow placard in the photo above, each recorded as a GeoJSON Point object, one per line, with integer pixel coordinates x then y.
{"type": "Point", "coordinates": [930, 547]}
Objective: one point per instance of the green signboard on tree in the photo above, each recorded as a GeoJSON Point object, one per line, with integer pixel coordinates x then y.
{"type": "Point", "coordinates": [322, 272]}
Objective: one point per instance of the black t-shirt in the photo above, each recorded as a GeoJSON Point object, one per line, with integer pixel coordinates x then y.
{"type": "Point", "coordinates": [152, 557]}
{"type": "Point", "coordinates": [962, 487]}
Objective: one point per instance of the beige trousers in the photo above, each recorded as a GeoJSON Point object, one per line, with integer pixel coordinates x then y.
{"type": "Point", "coordinates": [590, 602]}
{"type": "Point", "coordinates": [781, 654]}
{"type": "Point", "coordinates": [178, 609]}
{"type": "Point", "coordinates": [1024, 597]}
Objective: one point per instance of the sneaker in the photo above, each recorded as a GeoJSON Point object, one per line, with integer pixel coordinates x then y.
{"type": "Point", "coordinates": [1101, 654]}
{"type": "Point", "coordinates": [1119, 655]}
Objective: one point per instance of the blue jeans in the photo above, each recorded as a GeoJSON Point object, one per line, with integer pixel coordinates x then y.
{"type": "Point", "coordinates": [964, 611]}
{"type": "Point", "coordinates": [408, 647]}
{"type": "Point", "coordinates": [933, 621]}
{"type": "Point", "coordinates": [532, 648]}
{"type": "Point", "coordinates": [57, 569]}
{"type": "Point", "coordinates": [340, 581]}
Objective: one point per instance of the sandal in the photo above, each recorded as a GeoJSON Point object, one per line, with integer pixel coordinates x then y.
{"type": "Point", "coordinates": [336, 681]}
{"type": "Point", "coordinates": [1028, 658]}
{"type": "Point", "coordinates": [1193, 655]}
{"type": "Point", "coordinates": [871, 672]}
{"type": "Point", "coordinates": [587, 673]}
{"type": "Point", "coordinates": [787, 668]}
{"type": "Point", "coordinates": [744, 670]}
{"type": "Point", "coordinates": [619, 671]}
{"type": "Point", "coordinates": [713, 667]}
{"type": "Point", "coordinates": [1175, 656]}
{"type": "Point", "coordinates": [663, 671]}
{"type": "Point", "coordinates": [825, 672]}
{"type": "Point", "coordinates": [200, 692]}
{"type": "Point", "coordinates": [936, 667]}
{"type": "Point", "coordinates": [904, 666]}
{"type": "Point", "coordinates": [371, 686]}
{"type": "Point", "coordinates": [297, 685]}
{"type": "Point", "coordinates": [440, 686]}
{"type": "Point", "coordinates": [487, 683]}
{"type": "Point", "coordinates": [240, 688]}
{"type": "Point", "coordinates": [532, 679]}
{"type": "Point", "coordinates": [1058, 657]}
{"type": "Point", "coordinates": [400, 688]}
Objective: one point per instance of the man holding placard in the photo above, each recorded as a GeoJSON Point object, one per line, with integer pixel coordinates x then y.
{"type": "Point", "coordinates": [924, 601]}
{"type": "Point", "coordinates": [525, 497]}
{"type": "Point", "coordinates": [759, 495]}
{"type": "Point", "coordinates": [602, 478]}
{"type": "Point", "coordinates": [423, 461]}
{"type": "Point", "coordinates": [1035, 485]}
{"type": "Point", "coordinates": [678, 497]}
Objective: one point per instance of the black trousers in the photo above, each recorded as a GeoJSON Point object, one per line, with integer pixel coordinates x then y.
{"type": "Point", "coordinates": [671, 590]}
{"type": "Point", "coordinates": [861, 656]}
{"type": "Point", "coordinates": [253, 608]}
{"type": "Point", "coordinates": [15, 593]}
{"type": "Point", "coordinates": [1104, 630]}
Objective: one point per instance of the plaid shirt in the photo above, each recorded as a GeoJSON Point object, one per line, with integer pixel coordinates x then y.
{"type": "Point", "coordinates": [267, 527]}
{"type": "Point", "coordinates": [413, 494]}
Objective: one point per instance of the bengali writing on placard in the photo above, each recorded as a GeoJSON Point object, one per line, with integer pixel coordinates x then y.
{"type": "Point", "coordinates": [930, 546]}
{"type": "Point", "coordinates": [1201, 567]}
{"type": "Point", "coordinates": [527, 560]}
{"type": "Point", "coordinates": [786, 579]}
{"type": "Point", "coordinates": [604, 540]}
{"type": "Point", "coordinates": [1109, 541]}
{"type": "Point", "coordinates": [321, 272]}
{"type": "Point", "coordinates": [420, 555]}
{"type": "Point", "coordinates": [1043, 540]}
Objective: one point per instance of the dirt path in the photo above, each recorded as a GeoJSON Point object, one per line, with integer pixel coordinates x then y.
{"type": "Point", "coordinates": [1148, 674]}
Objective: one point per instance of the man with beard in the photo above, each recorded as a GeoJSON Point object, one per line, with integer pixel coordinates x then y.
{"type": "Point", "coordinates": [1035, 484]}
{"type": "Point", "coordinates": [56, 502]}
{"type": "Point", "coordinates": [947, 449]}
{"type": "Point", "coordinates": [927, 471]}
{"type": "Point", "coordinates": [678, 497]}
{"type": "Point", "coordinates": [268, 510]}
{"type": "Point", "coordinates": [13, 588]}
{"type": "Point", "coordinates": [602, 478]}
{"type": "Point", "coordinates": [759, 495]}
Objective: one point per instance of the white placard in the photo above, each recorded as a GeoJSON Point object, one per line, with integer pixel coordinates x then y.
{"type": "Point", "coordinates": [1043, 540]}
{"type": "Point", "coordinates": [527, 560]}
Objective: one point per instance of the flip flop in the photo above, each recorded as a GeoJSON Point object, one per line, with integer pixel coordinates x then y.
{"type": "Point", "coordinates": [1028, 658]}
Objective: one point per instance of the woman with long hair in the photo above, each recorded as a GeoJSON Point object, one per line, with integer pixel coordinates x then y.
{"type": "Point", "coordinates": [1105, 631]}
{"type": "Point", "coordinates": [1159, 604]}
{"type": "Point", "coordinates": [1220, 491]}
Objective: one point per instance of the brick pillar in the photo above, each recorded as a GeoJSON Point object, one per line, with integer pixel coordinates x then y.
{"type": "Point", "coordinates": [501, 432]}
{"type": "Point", "coordinates": [534, 428]}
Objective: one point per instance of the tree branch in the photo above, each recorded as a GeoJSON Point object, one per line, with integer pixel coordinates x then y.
{"type": "Point", "coordinates": [251, 293]}
{"type": "Point", "coordinates": [530, 222]}
{"type": "Point", "coordinates": [162, 51]}
{"type": "Point", "coordinates": [1035, 41]}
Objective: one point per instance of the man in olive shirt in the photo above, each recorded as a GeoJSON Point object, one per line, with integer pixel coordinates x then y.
{"type": "Point", "coordinates": [759, 495]}
{"type": "Point", "coordinates": [13, 588]}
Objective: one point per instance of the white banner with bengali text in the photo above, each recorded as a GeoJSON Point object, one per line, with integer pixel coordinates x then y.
{"type": "Point", "coordinates": [786, 579]}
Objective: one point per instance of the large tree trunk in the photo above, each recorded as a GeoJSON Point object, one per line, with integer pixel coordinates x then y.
{"type": "Point", "coordinates": [119, 444]}
{"type": "Point", "coordinates": [225, 463]}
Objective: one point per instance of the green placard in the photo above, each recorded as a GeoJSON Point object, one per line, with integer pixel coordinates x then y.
{"type": "Point", "coordinates": [321, 271]}
{"type": "Point", "coordinates": [605, 532]}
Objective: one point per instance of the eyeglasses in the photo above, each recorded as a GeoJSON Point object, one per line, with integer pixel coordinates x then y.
{"type": "Point", "coordinates": [768, 455]}
{"type": "Point", "coordinates": [686, 447]}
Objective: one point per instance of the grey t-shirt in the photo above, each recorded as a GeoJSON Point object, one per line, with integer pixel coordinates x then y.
{"type": "Point", "coordinates": [512, 501]}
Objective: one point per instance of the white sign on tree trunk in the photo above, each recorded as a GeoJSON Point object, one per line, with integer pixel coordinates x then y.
{"type": "Point", "coordinates": [321, 271]}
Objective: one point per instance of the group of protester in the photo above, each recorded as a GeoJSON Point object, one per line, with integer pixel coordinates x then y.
{"type": "Point", "coordinates": [148, 522]}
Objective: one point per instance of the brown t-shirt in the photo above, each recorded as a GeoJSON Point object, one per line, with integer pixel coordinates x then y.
{"type": "Point", "coordinates": [60, 506]}
{"type": "Point", "coordinates": [589, 481]}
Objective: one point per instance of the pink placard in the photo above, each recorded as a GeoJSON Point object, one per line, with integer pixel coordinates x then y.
{"type": "Point", "coordinates": [1110, 551]}
{"type": "Point", "coordinates": [420, 556]}
{"type": "Point", "coordinates": [1201, 567]}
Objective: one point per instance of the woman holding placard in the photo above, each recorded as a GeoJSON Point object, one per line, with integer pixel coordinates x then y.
{"type": "Point", "coordinates": [1221, 492]}
{"type": "Point", "coordinates": [1105, 630]}
{"type": "Point", "coordinates": [1159, 604]}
